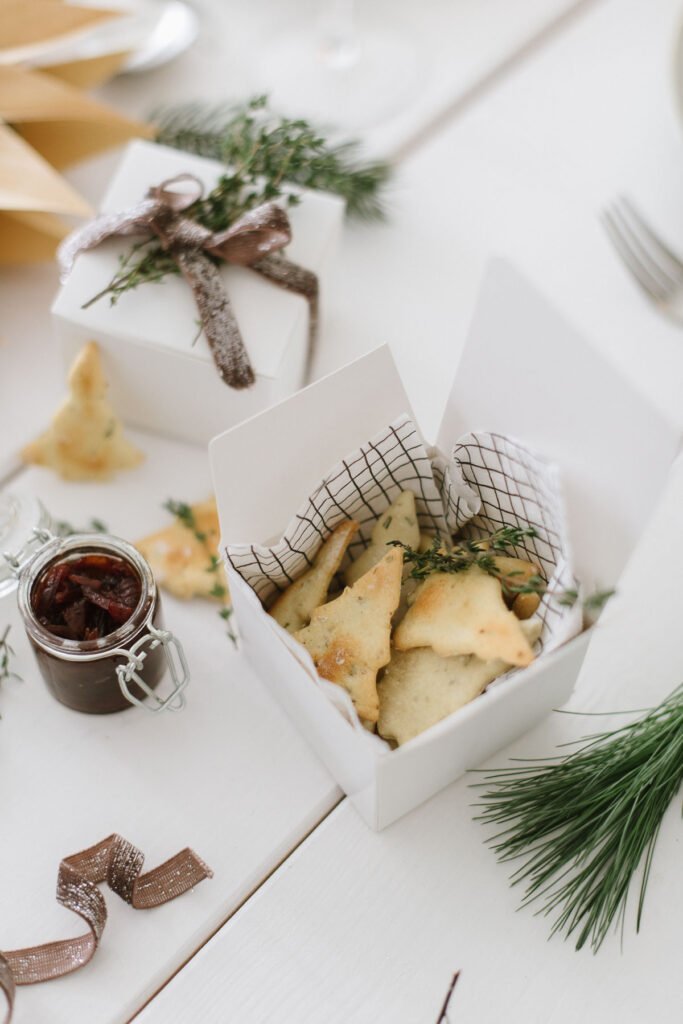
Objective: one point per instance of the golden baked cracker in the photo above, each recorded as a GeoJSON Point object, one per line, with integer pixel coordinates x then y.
{"type": "Point", "coordinates": [463, 613]}
{"type": "Point", "coordinates": [181, 562]}
{"type": "Point", "coordinates": [399, 522]}
{"type": "Point", "coordinates": [85, 440]}
{"type": "Point", "coordinates": [420, 688]}
{"type": "Point", "coordinates": [294, 607]}
{"type": "Point", "coordinates": [349, 638]}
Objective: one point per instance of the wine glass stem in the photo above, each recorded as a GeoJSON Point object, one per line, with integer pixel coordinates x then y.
{"type": "Point", "coordinates": [340, 45]}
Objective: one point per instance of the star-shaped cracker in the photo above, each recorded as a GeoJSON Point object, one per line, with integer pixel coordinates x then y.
{"type": "Point", "coordinates": [86, 439]}
{"type": "Point", "coordinates": [349, 638]}
{"type": "Point", "coordinates": [463, 613]}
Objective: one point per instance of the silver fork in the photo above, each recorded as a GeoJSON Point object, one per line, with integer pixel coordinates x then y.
{"type": "Point", "coordinates": [655, 267]}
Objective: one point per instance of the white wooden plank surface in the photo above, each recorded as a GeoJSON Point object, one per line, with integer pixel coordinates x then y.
{"type": "Point", "coordinates": [358, 927]}
{"type": "Point", "coordinates": [457, 45]}
{"type": "Point", "coordinates": [525, 173]}
{"type": "Point", "coordinates": [228, 776]}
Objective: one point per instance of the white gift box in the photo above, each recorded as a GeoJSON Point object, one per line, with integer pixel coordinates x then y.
{"type": "Point", "coordinates": [159, 379]}
{"type": "Point", "coordinates": [525, 373]}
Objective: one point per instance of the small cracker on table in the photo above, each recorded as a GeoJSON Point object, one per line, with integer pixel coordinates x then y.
{"type": "Point", "coordinates": [85, 440]}
{"type": "Point", "coordinates": [349, 639]}
{"type": "Point", "coordinates": [182, 563]}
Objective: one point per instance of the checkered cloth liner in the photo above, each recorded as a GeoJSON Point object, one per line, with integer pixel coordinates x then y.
{"type": "Point", "coordinates": [488, 481]}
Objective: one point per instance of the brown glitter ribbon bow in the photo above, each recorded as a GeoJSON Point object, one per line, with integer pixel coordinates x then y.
{"type": "Point", "coordinates": [118, 863]}
{"type": "Point", "coordinates": [254, 240]}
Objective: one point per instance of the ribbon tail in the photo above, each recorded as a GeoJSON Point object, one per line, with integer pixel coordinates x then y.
{"type": "Point", "coordinates": [303, 282]}
{"type": "Point", "coordinates": [119, 863]}
{"type": "Point", "coordinates": [89, 236]}
{"type": "Point", "coordinates": [217, 317]}
{"type": "Point", "coordinates": [7, 987]}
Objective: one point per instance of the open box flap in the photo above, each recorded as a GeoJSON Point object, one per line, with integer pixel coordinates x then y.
{"type": "Point", "coordinates": [264, 467]}
{"type": "Point", "coordinates": [528, 373]}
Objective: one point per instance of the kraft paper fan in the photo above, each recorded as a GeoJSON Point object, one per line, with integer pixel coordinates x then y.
{"type": "Point", "coordinates": [47, 122]}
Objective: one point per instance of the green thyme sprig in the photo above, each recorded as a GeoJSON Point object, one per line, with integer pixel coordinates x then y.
{"type": "Point", "coordinates": [467, 553]}
{"type": "Point", "coordinates": [6, 655]}
{"type": "Point", "coordinates": [182, 511]}
{"type": "Point", "coordinates": [585, 824]}
{"type": "Point", "coordinates": [592, 604]}
{"type": "Point", "coordinates": [63, 528]}
{"type": "Point", "coordinates": [267, 155]}
{"type": "Point", "coordinates": [226, 614]}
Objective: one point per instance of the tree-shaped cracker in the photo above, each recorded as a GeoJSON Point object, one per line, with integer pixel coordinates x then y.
{"type": "Point", "coordinates": [85, 440]}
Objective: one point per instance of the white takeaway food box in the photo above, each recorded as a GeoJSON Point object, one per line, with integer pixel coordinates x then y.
{"type": "Point", "coordinates": [526, 373]}
{"type": "Point", "coordinates": [159, 379]}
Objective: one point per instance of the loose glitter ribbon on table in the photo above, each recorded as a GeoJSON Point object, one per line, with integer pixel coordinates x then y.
{"type": "Point", "coordinates": [254, 240]}
{"type": "Point", "coordinates": [118, 863]}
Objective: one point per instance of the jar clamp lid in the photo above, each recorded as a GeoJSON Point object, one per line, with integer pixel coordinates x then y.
{"type": "Point", "coordinates": [28, 546]}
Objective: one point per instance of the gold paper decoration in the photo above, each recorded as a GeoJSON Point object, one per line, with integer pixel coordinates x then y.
{"type": "Point", "coordinates": [46, 122]}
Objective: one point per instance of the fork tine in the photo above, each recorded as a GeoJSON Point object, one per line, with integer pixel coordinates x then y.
{"type": "Point", "coordinates": [652, 288]}
{"type": "Point", "coordinates": [654, 268]}
{"type": "Point", "coordinates": [655, 241]}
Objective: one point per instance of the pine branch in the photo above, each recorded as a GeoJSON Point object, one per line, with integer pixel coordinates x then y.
{"type": "Point", "coordinates": [586, 823]}
{"type": "Point", "coordinates": [257, 143]}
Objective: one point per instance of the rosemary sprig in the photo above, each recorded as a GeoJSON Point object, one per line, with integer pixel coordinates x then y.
{"type": "Point", "coordinates": [267, 155]}
{"type": "Point", "coordinates": [586, 823]}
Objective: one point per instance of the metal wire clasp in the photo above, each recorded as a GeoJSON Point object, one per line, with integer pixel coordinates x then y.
{"type": "Point", "coordinates": [14, 561]}
{"type": "Point", "coordinates": [177, 666]}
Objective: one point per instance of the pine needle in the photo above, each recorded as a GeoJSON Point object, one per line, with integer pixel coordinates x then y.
{"type": "Point", "coordinates": [586, 823]}
{"type": "Point", "coordinates": [256, 142]}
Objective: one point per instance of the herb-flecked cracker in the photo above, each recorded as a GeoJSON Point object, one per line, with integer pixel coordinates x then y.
{"type": "Point", "coordinates": [464, 613]}
{"type": "Point", "coordinates": [185, 564]}
{"type": "Point", "coordinates": [294, 607]}
{"type": "Point", "coordinates": [420, 688]}
{"type": "Point", "coordinates": [85, 440]}
{"type": "Point", "coordinates": [349, 638]}
{"type": "Point", "coordinates": [398, 523]}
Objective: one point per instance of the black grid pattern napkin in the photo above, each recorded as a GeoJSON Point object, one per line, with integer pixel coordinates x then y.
{"type": "Point", "coordinates": [486, 482]}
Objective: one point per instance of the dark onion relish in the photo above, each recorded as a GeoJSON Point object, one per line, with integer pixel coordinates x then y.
{"type": "Point", "coordinates": [86, 597]}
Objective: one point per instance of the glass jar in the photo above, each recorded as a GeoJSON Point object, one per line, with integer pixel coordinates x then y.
{"type": "Point", "coordinates": [114, 671]}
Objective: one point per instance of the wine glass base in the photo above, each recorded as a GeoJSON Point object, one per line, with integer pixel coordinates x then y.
{"type": "Point", "coordinates": [350, 85]}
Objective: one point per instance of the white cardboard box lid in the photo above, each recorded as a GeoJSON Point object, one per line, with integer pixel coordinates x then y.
{"type": "Point", "coordinates": [266, 313]}
{"type": "Point", "coordinates": [263, 469]}
{"type": "Point", "coordinates": [527, 372]}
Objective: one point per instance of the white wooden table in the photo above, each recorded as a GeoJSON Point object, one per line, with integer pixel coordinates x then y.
{"type": "Point", "coordinates": [322, 919]}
